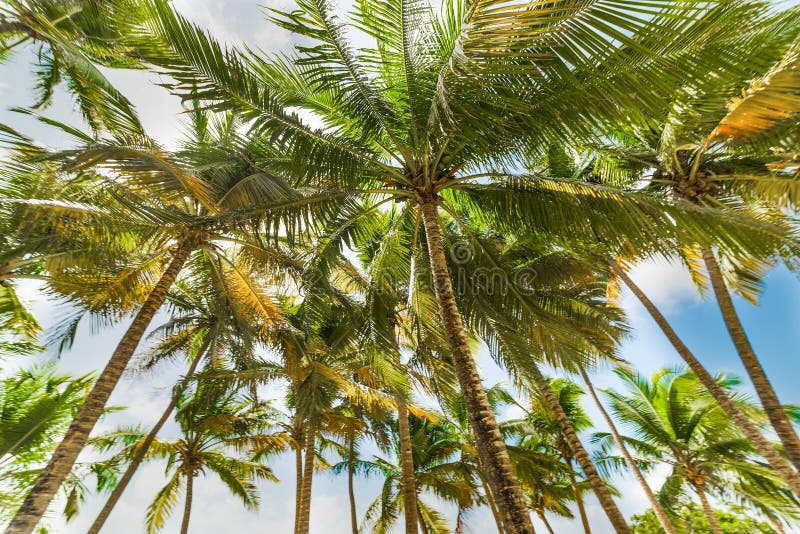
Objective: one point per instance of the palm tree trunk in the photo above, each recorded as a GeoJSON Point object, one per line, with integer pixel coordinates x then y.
{"type": "Point", "coordinates": [766, 394]}
{"type": "Point", "coordinates": [51, 478]}
{"type": "Point", "coordinates": [298, 488]}
{"type": "Point", "coordinates": [600, 489]}
{"type": "Point", "coordinates": [407, 466]}
{"type": "Point", "coordinates": [490, 444]}
{"type": "Point", "coordinates": [661, 514]}
{"type": "Point", "coordinates": [141, 451]}
{"type": "Point", "coordinates": [546, 522]}
{"type": "Point", "coordinates": [578, 497]}
{"type": "Point", "coordinates": [748, 428]}
{"type": "Point", "coordinates": [460, 521]}
{"type": "Point", "coordinates": [712, 519]}
{"type": "Point", "coordinates": [351, 458]}
{"type": "Point", "coordinates": [492, 505]}
{"type": "Point", "coordinates": [187, 506]}
{"type": "Point", "coordinates": [308, 477]}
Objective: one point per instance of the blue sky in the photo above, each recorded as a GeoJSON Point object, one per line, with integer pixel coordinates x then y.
{"type": "Point", "coordinates": [773, 328]}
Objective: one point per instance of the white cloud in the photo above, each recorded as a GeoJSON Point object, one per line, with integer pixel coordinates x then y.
{"type": "Point", "coordinates": [667, 284]}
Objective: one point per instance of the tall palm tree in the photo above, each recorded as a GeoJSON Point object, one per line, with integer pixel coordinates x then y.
{"type": "Point", "coordinates": [183, 210]}
{"type": "Point", "coordinates": [220, 315]}
{"type": "Point", "coordinates": [729, 145]}
{"type": "Point", "coordinates": [736, 414]}
{"type": "Point", "coordinates": [658, 510]}
{"type": "Point", "coordinates": [545, 423]}
{"type": "Point", "coordinates": [678, 423]}
{"type": "Point", "coordinates": [437, 470]}
{"type": "Point", "coordinates": [213, 429]}
{"type": "Point", "coordinates": [446, 98]}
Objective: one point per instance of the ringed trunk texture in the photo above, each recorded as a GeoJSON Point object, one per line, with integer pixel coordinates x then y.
{"type": "Point", "coordinates": [308, 477]}
{"type": "Point", "coordinates": [598, 485]}
{"type": "Point", "coordinates": [407, 466]}
{"type": "Point", "coordinates": [351, 458]}
{"type": "Point", "coordinates": [141, 451]}
{"type": "Point", "coordinates": [663, 519]}
{"type": "Point", "coordinates": [578, 498]}
{"type": "Point", "coordinates": [51, 478]}
{"type": "Point", "coordinates": [712, 519]}
{"type": "Point", "coordinates": [766, 394]}
{"type": "Point", "coordinates": [748, 428]}
{"type": "Point", "coordinates": [187, 506]}
{"type": "Point", "coordinates": [298, 488]}
{"type": "Point", "coordinates": [491, 446]}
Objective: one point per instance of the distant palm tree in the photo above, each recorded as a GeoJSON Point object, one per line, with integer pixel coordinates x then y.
{"type": "Point", "coordinates": [437, 469]}
{"type": "Point", "coordinates": [677, 423]}
{"type": "Point", "coordinates": [546, 431]}
{"type": "Point", "coordinates": [197, 199]}
{"type": "Point", "coordinates": [221, 314]}
{"type": "Point", "coordinates": [214, 431]}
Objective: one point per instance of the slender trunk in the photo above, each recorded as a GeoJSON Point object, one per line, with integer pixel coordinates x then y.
{"type": "Point", "coordinates": [298, 488]}
{"type": "Point", "coordinates": [308, 477]}
{"type": "Point", "coordinates": [598, 485]}
{"type": "Point", "coordinates": [51, 478]}
{"type": "Point", "coordinates": [712, 519]}
{"type": "Point", "coordinates": [141, 450]}
{"type": "Point", "coordinates": [661, 514]}
{"type": "Point", "coordinates": [351, 458]}
{"type": "Point", "coordinates": [490, 444]}
{"type": "Point", "coordinates": [766, 394]}
{"type": "Point", "coordinates": [578, 497]}
{"type": "Point", "coordinates": [492, 505]}
{"type": "Point", "coordinates": [545, 521]}
{"type": "Point", "coordinates": [460, 521]}
{"type": "Point", "coordinates": [408, 479]}
{"type": "Point", "coordinates": [187, 506]}
{"type": "Point", "coordinates": [777, 525]}
{"type": "Point", "coordinates": [748, 428]}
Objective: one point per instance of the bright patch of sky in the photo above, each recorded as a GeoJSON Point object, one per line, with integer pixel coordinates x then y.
{"type": "Point", "coordinates": [773, 328]}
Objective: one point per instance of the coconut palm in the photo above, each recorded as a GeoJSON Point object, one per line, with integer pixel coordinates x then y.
{"type": "Point", "coordinates": [544, 423]}
{"type": "Point", "coordinates": [658, 510]}
{"type": "Point", "coordinates": [446, 99]}
{"type": "Point", "coordinates": [708, 151]}
{"type": "Point", "coordinates": [733, 411]}
{"type": "Point", "coordinates": [73, 39]}
{"type": "Point", "coordinates": [220, 315]}
{"type": "Point", "coordinates": [677, 423]}
{"type": "Point", "coordinates": [181, 210]}
{"type": "Point", "coordinates": [437, 470]}
{"type": "Point", "coordinates": [214, 428]}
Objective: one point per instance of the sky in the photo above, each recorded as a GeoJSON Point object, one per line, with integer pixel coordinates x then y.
{"type": "Point", "coordinates": [772, 327]}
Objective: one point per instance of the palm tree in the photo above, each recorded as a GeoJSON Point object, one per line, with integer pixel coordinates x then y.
{"type": "Point", "coordinates": [219, 312]}
{"type": "Point", "coordinates": [213, 428]}
{"type": "Point", "coordinates": [734, 412]}
{"type": "Point", "coordinates": [544, 424]}
{"type": "Point", "coordinates": [678, 423]}
{"type": "Point", "coordinates": [437, 469]}
{"type": "Point", "coordinates": [431, 115]}
{"type": "Point", "coordinates": [75, 38]}
{"type": "Point", "coordinates": [658, 510]}
{"type": "Point", "coordinates": [183, 211]}
{"type": "Point", "coordinates": [729, 145]}
{"type": "Point", "coordinates": [36, 405]}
